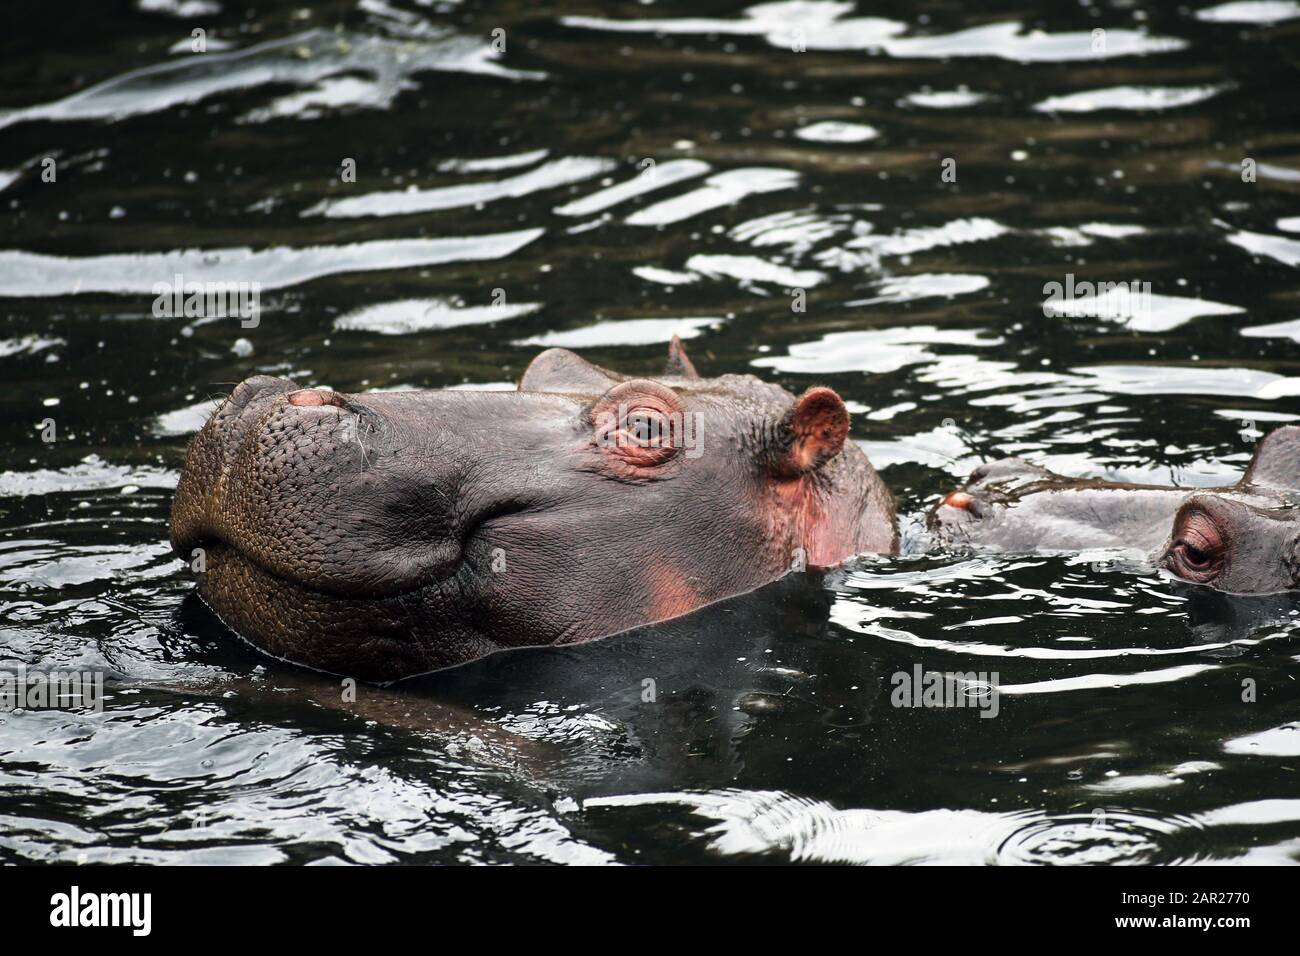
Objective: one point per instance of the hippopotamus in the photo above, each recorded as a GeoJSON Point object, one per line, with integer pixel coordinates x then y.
{"type": "Point", "coordinates": [1242, 539]}
{"type": "Point", "coordinates": [386, 534]}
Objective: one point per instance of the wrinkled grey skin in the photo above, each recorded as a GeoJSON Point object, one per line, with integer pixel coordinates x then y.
{"type": "Point", "coordinates": [389, 534]}
{"type": "Point", "coordinates": [1243, 539]}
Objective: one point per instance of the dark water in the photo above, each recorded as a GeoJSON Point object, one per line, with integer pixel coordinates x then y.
{"type": "Point", "coordinates": [1122, 734]}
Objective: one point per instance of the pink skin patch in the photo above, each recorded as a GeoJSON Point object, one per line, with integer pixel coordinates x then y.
{"type": "Point", "coordinates": [671, 594]}
{"type": "Point", "coordinates": [799, 518]}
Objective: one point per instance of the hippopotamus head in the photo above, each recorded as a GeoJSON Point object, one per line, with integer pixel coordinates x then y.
{"type": "Point", "coordinates": [1244, 538]}
{"type": "Point", "coordinates": [390, 533]}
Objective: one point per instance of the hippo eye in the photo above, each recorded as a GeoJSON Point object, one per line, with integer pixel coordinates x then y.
{"type": "Point", "coordinates": [648, 428]}
{"type": "Point", "coordinates": [643, 436]}
{"type": "Point", "coordinates": [639, 425]}
{"type": "Point", "coordinates": [1197, 553]}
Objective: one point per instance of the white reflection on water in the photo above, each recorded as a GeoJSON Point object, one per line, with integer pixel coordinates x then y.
{"type": "Point", "coordinates": [405, 202]}
{"type": "Point", "coordinates": [92, 473]}
{"type": "Point", "coordinates": [724, 189]}
{"type": "Point", "coordinates": [659, 176]}
{"type": "Point", "coordinates": [302, 60]}
{"type": "Point", "coordinates": [873, 350]}
{"type": "Point", "coordinates": [33, 274]}
{"type": "Point", "coordinates": [1251, 11]}
{"type": "Point", "coordinates": [1274, 330]}
{"type": "Point", "coordinates": [945, 99]}
{"type": "Point", "coordinates": [1283, 741]}
{"type": "Point", "coordinates": [750, 269]}
{"type": "Point", "coordinates": [822, 25]}
{"type": "Point", "coordinates": [1139, 311]}
{"type": "Point", "coordinates": [802, 829]}
{"type": "Point", "coordinates": [407, 316]}
{"type": "Point", "coordinates": [1128, 98]}
{"type": "Point", "coordinates": [625, 332]}
{"type": "Point", "coordinates": [831, 131]}
{"type": "Point", "coordinates": [1284, 250]}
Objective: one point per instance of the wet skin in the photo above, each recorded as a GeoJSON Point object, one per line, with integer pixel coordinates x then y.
{"type": "Point", "coordinates": [1243, 539]}
{"type": "Point", "coordinates": [389, 534]}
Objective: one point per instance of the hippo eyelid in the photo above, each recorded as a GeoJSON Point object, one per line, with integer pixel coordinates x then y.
{"type": "Point", "coordinates": [1197, 549]}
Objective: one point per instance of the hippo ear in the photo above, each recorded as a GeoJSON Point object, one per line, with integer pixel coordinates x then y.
{"type": "Point", "coordinates": [679, 364]}
{"type": "Point", "coordinates": [559, 370]}
{"type": "Point", "coordinates": [811, 433]}
{"type": "Point", "coordinates": [1277, 460]}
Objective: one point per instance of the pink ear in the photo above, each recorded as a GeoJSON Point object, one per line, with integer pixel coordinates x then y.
{"type": "Point", "coordinates": [814, 430]}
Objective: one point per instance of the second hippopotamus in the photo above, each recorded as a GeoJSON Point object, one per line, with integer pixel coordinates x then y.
{"type": "Point", "coordinates": [1243, 538]}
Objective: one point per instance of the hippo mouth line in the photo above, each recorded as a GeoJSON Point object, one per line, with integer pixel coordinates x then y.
{"type": "Point", "coordinates": [302, 615]}
{"type": "Point", "coordinates": [220, 552]}
{"type": "Point", "coordinates": [224, 550]}
{"type": "Point", "coordinates": [351, 589]}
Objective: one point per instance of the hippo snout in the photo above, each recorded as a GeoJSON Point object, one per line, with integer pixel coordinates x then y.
{"type": "Point", "coordinates": [207, 461]}
{"type": "Point", "coordinates": [295, 482]}
{"type": "Point", "coordinates": [989, 486]}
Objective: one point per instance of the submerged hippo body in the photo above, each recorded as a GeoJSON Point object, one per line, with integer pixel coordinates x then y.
{"type": "Point", "coordinates": [389, 534]}
{"type": "Point", "coordinates": [1242, 539]}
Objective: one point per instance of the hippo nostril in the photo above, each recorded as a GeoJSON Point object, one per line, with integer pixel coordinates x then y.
{"type": "Point", "coordinates": [257, 387]}
{"type": "Point", "coordinates": [308, 397]}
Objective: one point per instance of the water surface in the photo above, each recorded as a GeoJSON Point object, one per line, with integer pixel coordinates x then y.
{"type": "Point", "coordinates": [602, 176]}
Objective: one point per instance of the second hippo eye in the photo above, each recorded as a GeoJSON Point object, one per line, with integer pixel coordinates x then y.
{"type": "Point", "coordinates": [1197, 552]}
